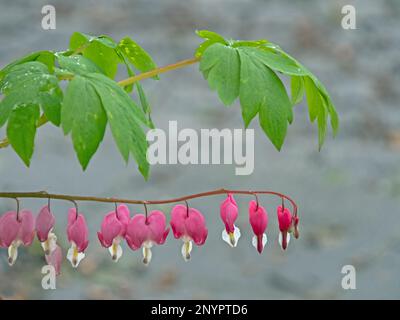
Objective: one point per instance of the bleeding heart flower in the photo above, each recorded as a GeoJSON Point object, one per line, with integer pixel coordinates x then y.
{"type": "Point", "coordinates": [229, 214]}
{"type": "Point", "coordinates": [77, 232]}
{"type": "Point", "coordinates": [16, 229]}
{"type": "Point", "coordinates": [142, 232]}
{"type": "Point", "coordinates": [285, 225]}
{"type": "Point", "coordinates": [113, 229]}
{"type": "Point", "coordinates": [44, 227]}
{"type": "Point", "coordinates": [258, 218]}
{"type": "Point", "coordinates": [189, 225]}
{"type": "Point", "coordinates": [55, 259]}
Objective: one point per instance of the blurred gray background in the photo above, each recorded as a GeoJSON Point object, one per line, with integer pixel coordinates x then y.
{"type": "Point", "coordinates": [348, 194]}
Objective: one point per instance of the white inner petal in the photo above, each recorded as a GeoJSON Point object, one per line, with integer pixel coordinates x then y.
{"type": "Point", "coordinates": [74, 256]}
{"type": "Point", "coordinates": [186, 250]}
{"type": "Point", "coordinates": [231, 238]}
{"type": "Point", "coordinates": [50, 244]}
{"type": "Point", "coordinates": [280, 239]}
{"type": "Point", "coordinates": [13, 252]}
{"type": "Point", "coordinates": [115, 250]}
{"type": "Point", "coordinates": [146, 255]}
{"type": "Point", "coordinates": [264, 240]}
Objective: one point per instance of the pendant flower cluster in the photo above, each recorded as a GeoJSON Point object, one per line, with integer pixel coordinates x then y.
{"type": "Point", "coordinates": [139, 231]}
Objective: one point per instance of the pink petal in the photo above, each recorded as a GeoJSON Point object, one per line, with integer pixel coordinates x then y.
{"type": "Point", "coordinates": [284, 218]}
{"type": "Point", "coordinates": [101, 239]}
{"type": "Point", "coordinates": [55, 259]}
{"type": "Point", "coordinates": [123, 214]}
{"type": "Point", "coordinates": [196, 226]}
{"type": "Point", "coordinates": [44, 223]}
{"type": "Point", "coordinates": [137, 232]}
{"type": "Point", "coordinates": [188, 223]}
{"type": "Point", "coordinates": [156, 223]}
{"type": "Point", "coordinates": [9, 228]}
{"type": "Point", "coordinates": [77, 230]}
{"type": "Point", "coordinates": [229, 213]}
{"type": "Point", "coordinates": [178, 217]}
{"type": "Point", "coordinates": [111, 228]}
{"type": "Point", "coordinates": [258, 218]}
{"type": "Point", "coordinates": [154, 229]}
{"type": "Point", "coordinates": [114, 225]}
{"type": "Point", "coordinates": [27, 228]}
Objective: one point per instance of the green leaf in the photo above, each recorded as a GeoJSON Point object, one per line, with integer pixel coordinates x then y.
{"type": "Point", "coordinates": [322, 119]}
{"type": "Point", "coordinates": [51, 105]}
{"type": "Point", "coordinates": [83, 115]}
{"type": "Point", "coordinates": [211, 35]}
{"type": "Point", "coordinates": [103, 56]}
{"type": "Point", "coordinates": [297, 89]}
{"type": "Point", "coordinates": [136, 55]}
{"type": "Point", "coordinates": [78, 64]}
{"type": "Point", "coordinates": [314, 98]}
{"type": "Point", "coordinates": [262, 91]}
{"type": "Point", "coordinates": [276, 112]}
{"type": "Point", "coordinates": [252, 87]}
{"type": "Point", "coordinates": [130, 73]}
{"type": "Point", "coordinates": [145, 104]}
{"type": "Point", "coordinates": [78, 40]}
{"type": "Point", "coordinates": [252, 43]}
{"type": "Point", "coordinates": [101, 50]}
{"type": "Point", "coordinates": [334, 118]}
{"type": "Point", "coordinates": [276, 60]}
{"type": "Point", "coordinates": [328, 104]}
{"type": "Point", "coordinates": [125, 118]}
{"type": "Point", "coordinates": [142, 96]}
{"type": "Point", "coordinates": [21, 130]}
{"type": "Point", "coordinates": [203, 47]}
{"type": "Point", "coordinates": [220, 65]}
{"type": "Point", "coordinates": [211, 38]}
{"type": "Point", "coordinates": [45, 57]}
{"type": "Point", "coordinates": [30, 83]}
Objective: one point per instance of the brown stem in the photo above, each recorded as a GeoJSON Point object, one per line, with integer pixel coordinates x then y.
{"type": "Point", "coordinates": [45, 195]}
{"type": "Point", "coordinates": [158, 71]}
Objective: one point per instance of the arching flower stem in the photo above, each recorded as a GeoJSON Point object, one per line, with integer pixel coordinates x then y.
{"type": "Point", "coordinates": [72, 198]}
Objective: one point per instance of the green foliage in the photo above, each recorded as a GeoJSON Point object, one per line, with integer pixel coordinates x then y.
{"type": "Point", "coordinates": [87, 125]}
{"type": "Point", "coordinates": [136, 55]}
{"type": "Point", "coordinates": [247, 69]}
{"type": "Point", "coordinates": [30, 83]}
{"type": "Point", "coordinates": [210, 38]}
{"type": "Point", "coordinates": [92, 98]}
{"type": "Point", "coordinates": [263, 93]}
{"type": "Point", "coordinates": [21, 130]}
{"type": "Point", "coordinates": [223, 75]}
{"type": "Point", "coordinates": [125, 119]}
{"type": "Point", "coordinates": [100, 50]}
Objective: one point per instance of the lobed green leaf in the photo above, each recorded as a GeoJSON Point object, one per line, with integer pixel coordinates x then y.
{"type": "Point", "coordinates": [210, 38]}
{"type": "Point", "coordinates": [30, 83]}
{"type": "Point", "coordinates": [83, 115]}
{"type": "Point", "coordinates": [297, 89]}
{"type": "Point", "coordinates": [21, 130]}
{"type": "Point", "coordinates": [125, 120]}
{"type": "Point", "coordinates": [136, 55]}
{"type": "Point", "coordinates": [246, 69]}
{"type": "Point", "coordinates": [262, 91]}
{"type": "Point", "coordinates": [220, 65]}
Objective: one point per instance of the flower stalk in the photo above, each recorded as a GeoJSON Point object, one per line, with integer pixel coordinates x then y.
{"type": "Point", "coordinates": [75, 198]}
